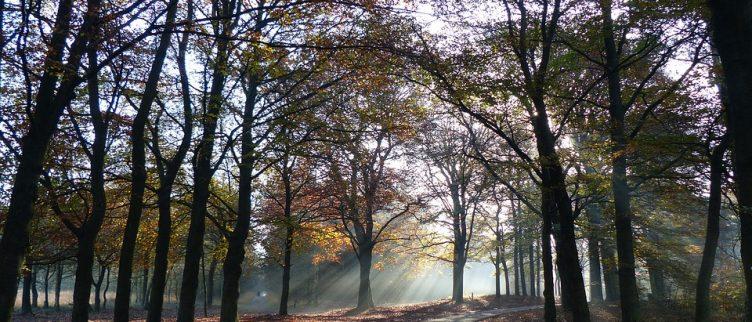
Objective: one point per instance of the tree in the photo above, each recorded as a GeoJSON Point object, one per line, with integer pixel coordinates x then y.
{"type": "Point", "coordinates": [459, 182]}
{"type": "Point", "coordinates": [729, 25]}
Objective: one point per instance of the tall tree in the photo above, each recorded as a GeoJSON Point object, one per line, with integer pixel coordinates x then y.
{"type": "Point", "coordinates": [138, 164]}
{"type": "Point", "coordinates": [203, 168]}
{"type": "Point", "coordinates": [731, 27]}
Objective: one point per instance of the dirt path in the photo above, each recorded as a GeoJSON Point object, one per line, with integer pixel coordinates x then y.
{"type": "Point", "coordinates": [484, 314]}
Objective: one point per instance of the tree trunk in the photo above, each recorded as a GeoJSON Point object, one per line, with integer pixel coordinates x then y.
{"type": "Point", "coordinates": [515, 263]}
{"type": "Point", "coordinates": [47, 287]}
{"type": "Point", "coordinates": [164, 193]}
{"type": "Point", "coordinates": [286, 271]}
{"type": "Point", "coordinates": [549, 306]}
{"type": "Point", "coordinates": [26, 296]}
{"type": "Point", "coordinates": [610, 273]}
{"type": "Point", "coordinates": [106, 288]}
{"type": "Point", "coordinates": [87, 233]}
{"type": "Point", "coordinates": [145, 288]}
{"type": "Point", "coordinates": [365, 256]}
{"type": "Point", "coordinates": [138, 175]}
{"type": "Point", "coordinates": [82, 285]}
{"type": "Point", "coordinates": [531, 258]}
{"type": "Point", "coordinates": [497, 272]}
{"type": "Point", "coordinates": [731, 28]}
{"type": "Point", "coordinates": [594, 258]}
{"type": "Point", "coordinates": [704, 278]}
{"type": "Point", "coordinates": [657, 282]}
{"type": "Point", "coordinates": [50, 101]}
{"type": "Point", "coordinates": [58, 284]}
{"type": "Point", "coordinates": [203, 172]}
{"type": "Point", "coordinates": [34, 291]}
{"type": "Point", "coordinates": [506, 277]}
{"type": "Point", "coordinates": [98, 288]}
{"type": "Point", "coordinates": [161, 254]}
{"type": "Point", "coordinates": [210, 282]}
{"type": "Point", "coordinates": [231, 270]}
{"type": "Point", "coordinates": [630, 304]}
{"type": "Point", "coordinates": [521, 261]}
{"type": "Point", "coordinates": [538, 269]}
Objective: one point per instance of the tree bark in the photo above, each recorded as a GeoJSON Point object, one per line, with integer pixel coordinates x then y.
{"type": "Point", "coordinates": [365, 257]}
{"type": "Point", "coordinates": [515, 263]}
{"type": "Point", "coordinates": [58, 284]}
{"type": "Point", "coordinates": [98, 288]}
{"type": "Point", "coordinates": [731, 27]}
{"type": "Point", "coordinates": [610, 273]}
{"type": "Point", "coordinates": [210, 282]}
{"type": "Point", "coordinates": [26, 295]}
{"type": "Point", "coordinates": [47, 287]}
{"type": "Point", "coordinates": [286, 271]}
{"type": "Point", "coordinates": [594, 258]}
{"type": "Point", "coordinates": [521, 261]}
{"type": "Point", "coordinates": [34, 291]}
{"type": "Point", "coordinates": [138, 175]}
{"type": "Point", "coordinates": [145, 288]}
{"type": "Point", "coordinates": [531, 258]}
{"type": "Point", "coordinates": [549, 302]}
{"type": "Point", "coordinates": [497, 272]}
{"type": "Point", "coordinates": [106, 288]}
{"type": "Point", "coordinates": [704, 278]}
{"type": "Point", "coordinates": [84, 280]}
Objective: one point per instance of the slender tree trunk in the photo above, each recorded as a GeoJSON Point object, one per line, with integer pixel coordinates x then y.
{"type": "Point", "coordinates": [286, 271]}
{"type": "Point", "coordinates": [538, 269]}
{"type": "Point", "coordinates": [610, 273]}
{"type": "Point", "coordinates": [531, 258]}
{"type": "Point", "coordinates": [50, 101]}
{"type": "Point", "coordinates": [58, 284]}
{"type": "Point", "coordinates": [506, 276]}
{"type": "Point", "coordinates": [231, 270]}
{"type": "Point", "coordinates": [365, 257]}
{"type": "Point", "coordinates": [521, 261]}
{"type": "Point", "coordinates": [549, 306]}
{"type": "Point", "coordinates": [161, 255]}
{"type": "Point", "coordinates": [98, 288]}
{"type": "Point", "coordinates": [145, 288]}
{"type": "Point", "coordinates": [138, 174]}
{"type": "Point", "coordinates": [210, 282]}
{"type": "Point", "coordinates": [26, 296]}
{"type": "Point", "coordinates": [515, 263]}
{"type": "Point", "coordinates": [47, 287]}
{"type": "Point", "coordinates": [630, 304]}
{"type": "Point", "coordinates": [594, 258]}
{"type": "Point", "coordinates": [34, 291]}
{"type": "Point", "coordinates": [657, 282]}
{"type": "Point", "coordinates": [704, 278]}
{"type": "Point", "coordinates": [87, 233]}
{"type": "Point", "coordinates": [106, 288]}
{"type": "Point", "coordinates": [497, 272]}
{"type": "Point", "coordinates": [203, 172]}
{"type": "Point", "coordinates": [731, 27]}
{"type": "Point", "coordinates": [164, 193]}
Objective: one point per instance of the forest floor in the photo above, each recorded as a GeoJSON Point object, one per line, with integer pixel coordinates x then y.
{"type": "Point", "coordinates": [486, 308]}
{"type": "Point", "coordinates": [605, 312]}
{"type": "Point", "coordinates": [409, 312]}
